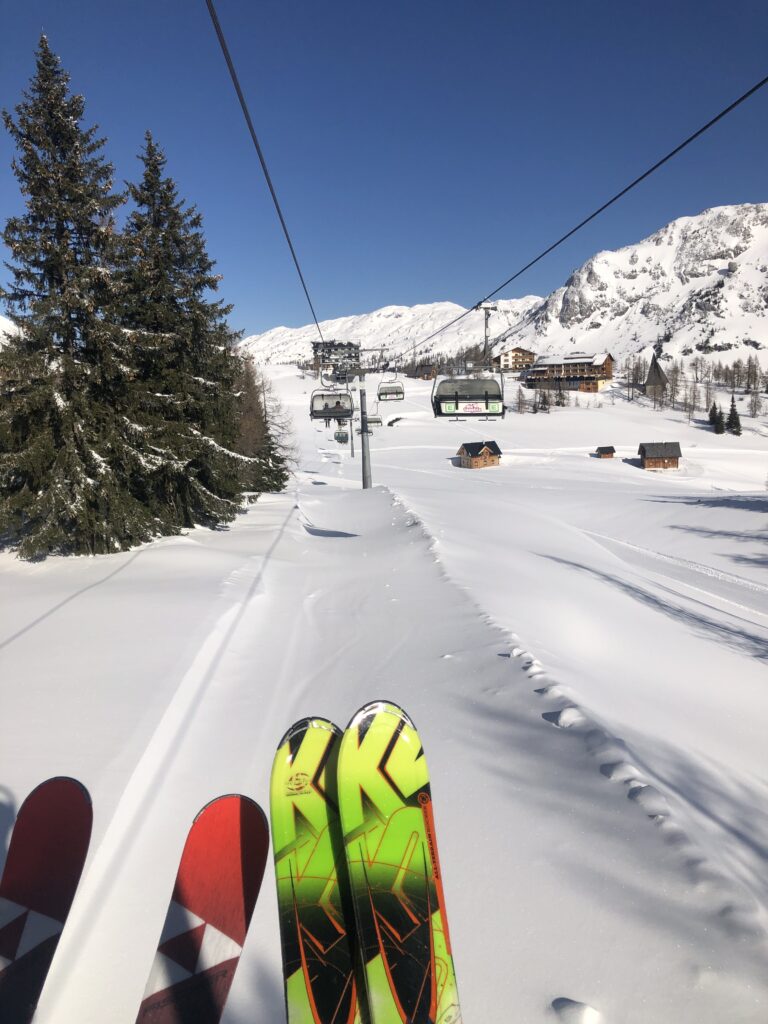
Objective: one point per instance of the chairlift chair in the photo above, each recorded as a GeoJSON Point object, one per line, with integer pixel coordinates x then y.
{"type": "Point", "coordinates": [325, 404]}
{"type": "Point", "coordinates": [390, 391]}
{"type": "Point", "coordinates": [481, 396]}
{"type": "Point", "coordinates": [342, 436]}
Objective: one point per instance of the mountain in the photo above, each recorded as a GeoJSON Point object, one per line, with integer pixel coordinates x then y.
{"type": "Point", "coordinates": [697, 286]}
{"type": "Point", "coordinates": [397, 328]}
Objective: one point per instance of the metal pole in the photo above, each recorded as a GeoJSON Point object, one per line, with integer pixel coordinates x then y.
{"type": "Point", "coordinates": [487, 309]}
{"type": "Point", "coordinates": [364, 439]}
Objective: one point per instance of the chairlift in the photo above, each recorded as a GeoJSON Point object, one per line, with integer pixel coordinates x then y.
{"type": "Point", "coordinates": [342, 436]}
{"type": "Point", "coordinates": [325, 404]}
{"type": "Point", "coordinates": [390, 391]}
{"type": "Point", "coordinates": [481, 396]}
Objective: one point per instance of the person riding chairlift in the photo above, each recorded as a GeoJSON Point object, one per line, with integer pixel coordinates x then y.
{"type": "Point", "coordinates": [339, 408]}
{"type": "Point", "coordinates": [327, 418]}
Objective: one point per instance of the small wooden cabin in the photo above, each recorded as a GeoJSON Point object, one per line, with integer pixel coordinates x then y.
{"type": "Point", "coordinates": [478, 454]}
{"type": "Point", "coordinates": [605, 451]}
{"type": "Point", "coordinates": [661, 455]}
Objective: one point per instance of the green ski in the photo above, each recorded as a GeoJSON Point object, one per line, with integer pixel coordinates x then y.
{"type": "Point", "coordinates": [394, 873]}
{"type": "Point", "coordinates": [318, 950]}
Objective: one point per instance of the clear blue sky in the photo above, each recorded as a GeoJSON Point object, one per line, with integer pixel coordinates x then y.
{"type": "Point", "coordinates": [421, 149]}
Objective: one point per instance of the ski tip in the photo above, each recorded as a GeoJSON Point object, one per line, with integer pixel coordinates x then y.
{"type": "Point", "coordinates": [246, 803]}
{"type": "Point", "coordinates": [298, 729]}
{"type": "Point", "coordinates": [63, 784]}
{"type": "Point", "coordinates": [378, 707]}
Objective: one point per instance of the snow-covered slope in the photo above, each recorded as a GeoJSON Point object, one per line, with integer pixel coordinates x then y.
{"type": "Point", "coordinates": [699, 285]}
{"type": "Point", "coordinates": [581, 644]}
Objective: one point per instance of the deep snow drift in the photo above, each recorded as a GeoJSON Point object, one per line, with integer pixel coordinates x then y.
{"type": "Point", "coordinates": [581, 644]}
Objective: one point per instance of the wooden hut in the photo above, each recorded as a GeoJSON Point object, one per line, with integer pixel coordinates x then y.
{"type": "Point", "coordinates": [478, 454]}
{"type": "Point", "coordinates": [661, 455]}
{"type": "Point", "coordinates": [605, 451]}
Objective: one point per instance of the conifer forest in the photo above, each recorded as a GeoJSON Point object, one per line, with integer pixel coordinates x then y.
{"type": "Point", "coordinates": [125, 411]}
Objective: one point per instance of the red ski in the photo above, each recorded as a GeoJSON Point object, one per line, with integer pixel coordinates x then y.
{"type": "Point", "coordinates": [211, 906]}
{"type": "Point", "coordinates": [45, 860]}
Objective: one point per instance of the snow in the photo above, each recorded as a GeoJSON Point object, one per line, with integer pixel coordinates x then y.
{"type": "Point", "coordinates": [6, 328]}
{"type": "Point", "coordinates": [581, 644]}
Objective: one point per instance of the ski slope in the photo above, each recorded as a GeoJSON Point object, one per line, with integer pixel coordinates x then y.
{"type": "Point", "coordinates": [582, 646]}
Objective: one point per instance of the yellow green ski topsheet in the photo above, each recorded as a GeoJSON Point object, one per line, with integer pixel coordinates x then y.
{"type": "Point", "coordinates": [394, 874]}
{"type": "Point", "coordinates": [309, 859]}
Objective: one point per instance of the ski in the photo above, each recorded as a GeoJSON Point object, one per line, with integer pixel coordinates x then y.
{"type": "Point", "coordinates": [394, 873]}
{"type": "Point", "coordinates": [317, 946]}
{"type": "Point", "coordinates": [210, 910]}
{"type": "Point", "coordinates": [45, 859]}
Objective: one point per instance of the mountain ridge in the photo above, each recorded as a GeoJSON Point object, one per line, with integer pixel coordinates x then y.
{"type": "Point", "coordinates": [697, 285]}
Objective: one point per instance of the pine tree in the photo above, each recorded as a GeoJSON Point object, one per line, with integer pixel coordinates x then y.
{"type": "Point", "coordinates": [733, 423]}
{"type": "Point", "coordinates": [713, 414]}
{"type": "Point", "coordinates": [70, 474]}
{"type": "Point", "coordinates": [187, 385]}
{"type": "Point", "coordinates": [719, 423]}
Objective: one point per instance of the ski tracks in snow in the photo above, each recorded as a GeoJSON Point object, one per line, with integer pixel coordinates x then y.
{"type": "Point", "coordinates": [678, 568]}
{"type": "Point", "coordinates": [182, 745]}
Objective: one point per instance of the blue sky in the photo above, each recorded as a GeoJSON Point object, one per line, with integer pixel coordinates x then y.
{"type": "Point", "coordinates": [422, 149]}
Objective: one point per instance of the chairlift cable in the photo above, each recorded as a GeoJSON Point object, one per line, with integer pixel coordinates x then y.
{"type": "Point", "coordinates": [599, 210]}
{"type": "Point", "coordinates": [262, 160]}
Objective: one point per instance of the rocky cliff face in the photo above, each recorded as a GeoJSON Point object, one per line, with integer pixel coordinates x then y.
{"type": "Point", "coordinates": [699, 285]}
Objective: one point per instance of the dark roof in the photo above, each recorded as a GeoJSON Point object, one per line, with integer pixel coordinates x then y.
{"type": "Point", "coordinates": [661, 450]}
{"type": "Point", "coordinates": [656, 377]}
{"type": "Point", "coordinates": [473, 448]}
{"type": "Point", "coordinates": [603, 449]}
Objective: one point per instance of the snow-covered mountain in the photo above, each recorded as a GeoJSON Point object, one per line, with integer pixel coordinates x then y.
{"type": "Point", "coordinates": [699, 285]}
{"type": "Point", "coordinates": [397, 328]}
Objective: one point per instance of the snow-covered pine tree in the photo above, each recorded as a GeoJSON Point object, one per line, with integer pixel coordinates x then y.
{"type": "Point", "coordinates": [71, 468]}
{"type": "Point", "coordinates": [733, 423]}
{"type": "Point", "coordinates": [713, 414]}
{"type": "Point", "coordinates": [188, 373]}
{"type": "Point", "coordinates": [719, 423]}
